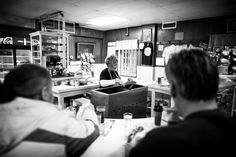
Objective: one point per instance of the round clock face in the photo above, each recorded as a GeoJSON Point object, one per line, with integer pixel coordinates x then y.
{"type": "Point", "coordinates": [147, 51]}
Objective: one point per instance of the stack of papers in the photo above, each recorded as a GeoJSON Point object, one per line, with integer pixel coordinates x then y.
{"type": "Point", "coordinates": [106, 127]}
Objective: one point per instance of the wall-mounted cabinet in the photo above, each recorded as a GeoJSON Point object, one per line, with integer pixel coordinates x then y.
{"type": "Point", "coordinates": [45, 44]}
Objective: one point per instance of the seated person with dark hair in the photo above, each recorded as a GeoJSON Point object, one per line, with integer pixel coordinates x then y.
{"type": "Point", "coordinates": [32, 126]}
{"type": "Point", "coordinates": [194, 80]}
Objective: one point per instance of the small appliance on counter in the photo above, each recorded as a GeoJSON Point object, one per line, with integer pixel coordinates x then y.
{"type": "Point", "coordinates": [55, 66]}
{"type": "Point", "coordinates": [232, 60]}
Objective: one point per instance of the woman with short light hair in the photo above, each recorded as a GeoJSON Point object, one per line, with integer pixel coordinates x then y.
{"type": "Point", "coordinates": [109, 76]}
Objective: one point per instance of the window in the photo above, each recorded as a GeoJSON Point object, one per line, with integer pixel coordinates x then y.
{"type": "Point", "coordinates": [127, 52]}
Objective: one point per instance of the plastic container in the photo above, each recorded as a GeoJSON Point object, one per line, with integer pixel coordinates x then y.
{"type": "Point", "coordinates": [157, 113]}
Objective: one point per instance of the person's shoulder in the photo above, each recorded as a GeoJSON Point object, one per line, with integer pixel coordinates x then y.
{"type": "Point", "coordinates": [156, 140]}
{"type": "Point", "coordinates": [104, 70]}
{"type": "Point", "coordinates": [170, 132]}
{"type": "Point", "coordinates": [162, 131]}
{"type": "Point", "coordinates": [104, 74]}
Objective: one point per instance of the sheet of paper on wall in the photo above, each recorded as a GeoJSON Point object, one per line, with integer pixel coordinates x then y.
{"type": "Point", "coordinates": [160, 47]}
{"type": "Point", "coordinates": [160, 61]}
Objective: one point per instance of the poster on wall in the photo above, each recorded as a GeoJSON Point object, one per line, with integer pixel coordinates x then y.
{"type": "Point", "coordinates": [147, 54]}
{"type": "Point", "coordinates": [147, 35]}
{"type": "Point", "coordinates": [84, 49]}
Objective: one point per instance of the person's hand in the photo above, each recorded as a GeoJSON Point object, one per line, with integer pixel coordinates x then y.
{"type": "Point", "coordinates": [130, 81]}
{"type": "Point", "coordinates": [87, 112]}
{"type": "Point", "coordinates": [119, 82]}
{"type": "Point", "coordinates": [136, 135]}
{"type": "Point", "coordinates": [69, 111]}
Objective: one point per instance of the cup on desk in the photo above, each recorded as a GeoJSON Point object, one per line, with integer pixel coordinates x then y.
{"type": "Point", "coordinates": [159, 80]}
{"type": "Point", "coordinates": [100, 110]}
{"type": "Point", "coordinates": [127, 123]}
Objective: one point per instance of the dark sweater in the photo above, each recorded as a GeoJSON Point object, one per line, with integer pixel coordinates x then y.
{"type": "Point", "coordinates": [106, 76]}
{"type": "Point", "coordinates": [201, 132]}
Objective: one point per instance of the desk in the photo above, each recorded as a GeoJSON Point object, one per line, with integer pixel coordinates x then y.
{"type": "Point", "coordinates": [64, 91]}
{"type": "Point", "coordinates": [231, 77]}
{"type": "Point", "coordinates": [66, 78]}
{"type": "Point", "coordinates": [155, 88]}
{"type": "Point", "coordinates": [113, 144]}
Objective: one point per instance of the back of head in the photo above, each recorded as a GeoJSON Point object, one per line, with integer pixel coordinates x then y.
{"type": "Point", "coordinates": [193, 75]}
{"type": "Point", "coordinates": [26, 81]}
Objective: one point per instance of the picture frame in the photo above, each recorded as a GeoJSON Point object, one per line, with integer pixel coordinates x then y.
{"type": "Point", "coordinates": [83, 49]}
{"type": "Point", "coordinates": [147, 35]}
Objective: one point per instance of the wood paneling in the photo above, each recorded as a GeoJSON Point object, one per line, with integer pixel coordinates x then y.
{"type": "Point", "coordinates": [84, 35]}
{"type": "Point", "coordinates": [13, 31]}
{"type": "Point", "coordinates": [134, 33]}
{"type": "Point", "coordinates": [73, 40]}
{"type": "Point", "coordinates": [17, 21]}
{"type": "Point", "coordinates": [85, 32]}
{"type": "Point", "coordinates": [195, 31]}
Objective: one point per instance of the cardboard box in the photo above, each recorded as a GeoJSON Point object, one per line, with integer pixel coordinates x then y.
{"type": "Point", "coordinates": [118, 100]}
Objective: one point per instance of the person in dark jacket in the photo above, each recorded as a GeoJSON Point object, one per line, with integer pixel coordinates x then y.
{"type": "Point", "coordinates": [194, 80]}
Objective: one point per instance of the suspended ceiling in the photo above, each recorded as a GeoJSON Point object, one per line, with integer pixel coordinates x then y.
{"type": "Point", "coordinates": [136, 12]}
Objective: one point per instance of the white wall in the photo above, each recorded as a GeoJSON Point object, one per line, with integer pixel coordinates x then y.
{"type": "Point", "coordinates": [159, 72]}
{"type": "Point", "coordinates": [98, 69]}
{"type": "Point", "coordinates": [145, 72]}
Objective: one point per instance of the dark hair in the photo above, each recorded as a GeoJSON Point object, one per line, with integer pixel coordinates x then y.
{"type": "Point", "coordinates": [193, 75]}
{"type": "Point", "coordinates": [25, 80]}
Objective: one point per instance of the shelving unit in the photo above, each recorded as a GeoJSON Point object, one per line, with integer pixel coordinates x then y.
{"type": "Point", "coordinates": [226, 91]}
{"type": "Point", "coordinates": [6, 61]}
{"type": "Point", "coordinates": [48, 43]}
{"type": "Point", "coordinates": [9, 58]}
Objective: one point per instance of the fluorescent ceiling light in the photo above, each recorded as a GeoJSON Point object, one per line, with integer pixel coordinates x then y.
{"type": "Point", "coordinates": [102, 21]}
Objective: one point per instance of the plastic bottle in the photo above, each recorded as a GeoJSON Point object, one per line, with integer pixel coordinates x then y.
{"type": "Point", "coordinates": [157, 112]}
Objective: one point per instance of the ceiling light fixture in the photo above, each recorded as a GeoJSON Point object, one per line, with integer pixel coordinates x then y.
{"type": "Point", "coordinates": [106, 20]}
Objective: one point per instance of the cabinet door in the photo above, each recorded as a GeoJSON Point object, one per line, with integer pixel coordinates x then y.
{"type": "Point", "coordinates": [36, 49]}
{"type": "Point", "coordinates": [22, 56]}
{"type": "Point", "coordinates": [6, 61]}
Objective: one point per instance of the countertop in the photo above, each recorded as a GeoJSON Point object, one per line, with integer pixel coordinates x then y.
{"type": "Point", "coordinates": [68, 88]}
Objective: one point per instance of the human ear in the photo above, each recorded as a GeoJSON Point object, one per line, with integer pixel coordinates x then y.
{"type": "Point", "coordinates": [46, 94]}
